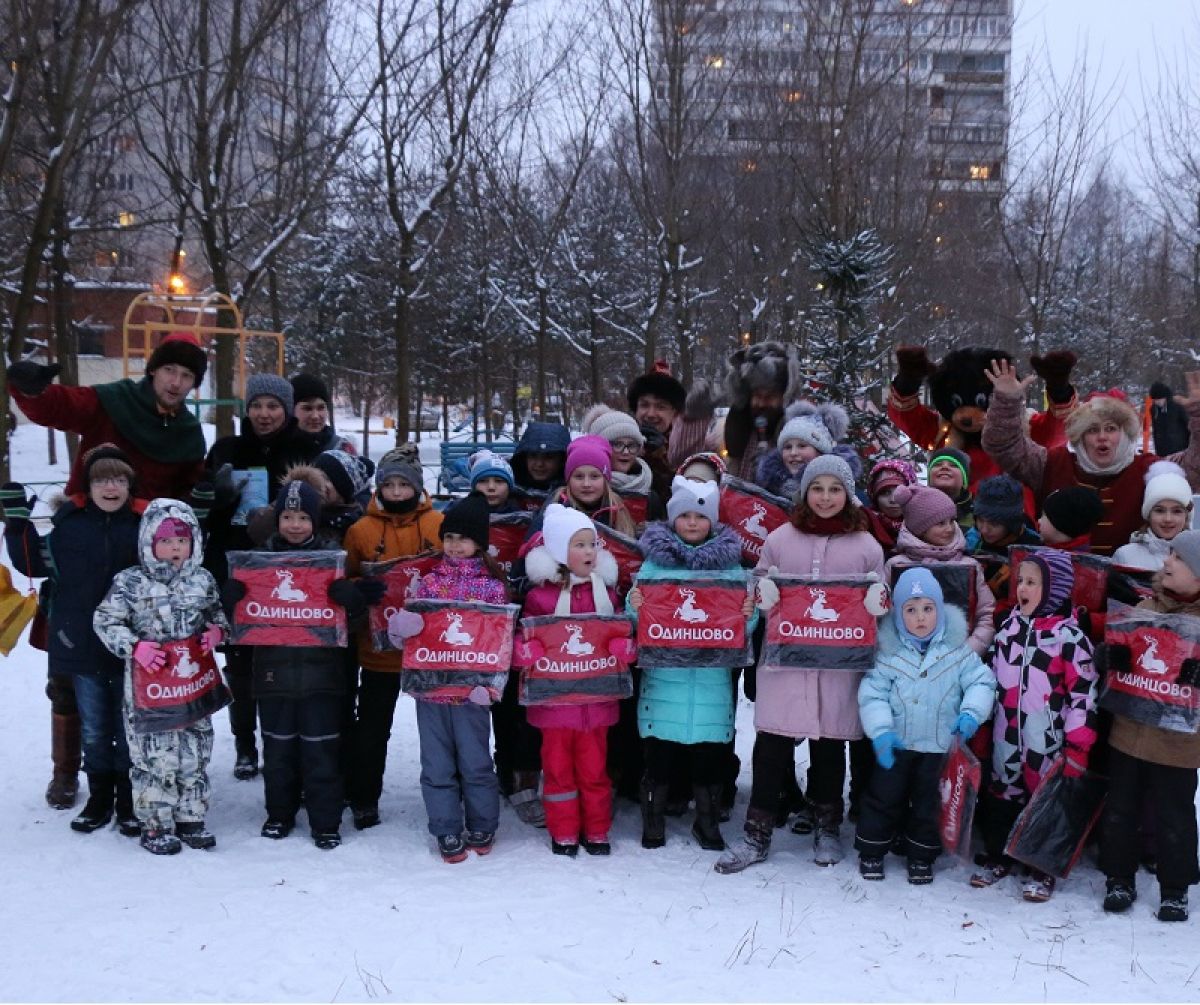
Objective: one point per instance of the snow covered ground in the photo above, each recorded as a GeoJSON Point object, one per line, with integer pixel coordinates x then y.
{"type": "Point", "coordinates": [93, 917]}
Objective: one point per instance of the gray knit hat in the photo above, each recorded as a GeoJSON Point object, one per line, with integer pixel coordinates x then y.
{"type": "Point", "coordinates": [398, 463]}
{"type": "Point", "coordinates": [828, 464]}
{"type": "Point", "coordinates": [273, 385]}
{"type": "Point", "coordinates": [1187, 546]}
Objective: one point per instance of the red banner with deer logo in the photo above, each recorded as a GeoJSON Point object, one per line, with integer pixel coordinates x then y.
{"type": "Point", "coordinates": [956, 580]}
{"type": "Point", "coordinates": [574, 665]}
{"type": "Point", "coordinates": [693, 620]}
{"type": "Point", "coordinates": [506, 535]}
{"type": "Point", "coordinates": [401, 577]}
{"type": "Point", "coordinates": [626, 553]}
{"type": "Point", "coordinates": [462, 645]}
{"type": "Point", "coordinates": [752, 513]}
{"type": "Point", "coordinates": [820, 624]}
{"type": "Point", "coordinates": [185, 689]}
{"type": "Point", "coordinates": [287, 599]}
{"type": "Point", "coordinates": [958, 788]}
{"type": "Point", "coordinates": [1160, 688]}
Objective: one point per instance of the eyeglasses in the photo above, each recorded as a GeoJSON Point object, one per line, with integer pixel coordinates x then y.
{"type": "Point", "coordinates": [626, 446]}
{"type": "Point", "coordinates": [112, 483]}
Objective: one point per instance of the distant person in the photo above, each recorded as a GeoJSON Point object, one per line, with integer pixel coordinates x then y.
{"type": "Point", "coordinates": [1169, 421]}
{"type": "Point", "coordinates": [313, 409]}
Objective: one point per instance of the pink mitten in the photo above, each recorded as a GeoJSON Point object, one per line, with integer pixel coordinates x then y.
{"type": "Point", "coordinates": [479, 695]}
{"type": "Point", "coordinates": [403, 625]}
{"type": "Point", "coordinates": [212, 637]}
{"type": "Point", "coordinates": [149, 655]}
{"type": "Point", "coordinates": [625, 650]}
{"type": "Point", "coordinates": [526, 652]}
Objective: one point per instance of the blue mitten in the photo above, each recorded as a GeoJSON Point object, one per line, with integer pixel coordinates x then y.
{"type": "Point", "coordinates": [886, 745]}
{"type": "Point", "coordinates": [965, 725]}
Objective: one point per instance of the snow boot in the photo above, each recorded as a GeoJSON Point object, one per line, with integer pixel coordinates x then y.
{"type": "Point", "coordinates": [194, 834]}
{"type": "Point", "coordinates": [991, 871]}
{"type": "Point", "coordinates": [160, 842]}
{"type": "Point", "coordinates": [827, 843]}
{"type": "Point", "coordinates": [365, 816]}
{"type": "Point", "coordinates": [568, 848]}
{"type": "Point", "coordinates": [525, 801]}
{"type": "Point", "coordinates": [1173, 904]}
{"type": "Point", "coordinates": [246, 765]}
{"type": "Point", "coordinates": [754, 846]}
{"type": "Point", "coordinates": [1038, 888]}
{"type": "Point", "coordinates": [277, 830]}
{"type": "Point", "coordinates": [920, 873]}
{"type": "Point", "coordinates": [1119, 896]}
{"type": "Point", "coordinates": [452, 847]}
{"type": "Point", "coordinates": [480, 842]}
{"type": "Point", "coordinates": [98, 810]}
{"type": "Point", "coordinates": [707, 829]}
{"type": "Point", "coordinates": [654, 821]}
{"type": "Point", "coordinates": [66, 754]}
{"type": "Point", "coordinates": [328, 840]}
{"type": "Point", "coordinates": [804, 822]}
{"type": "Point", "coordinates": [127, 821]}
{"type": "Point", "coordinates": [598, 847]}
{"type": "Point", "coordinates": [870, 867]}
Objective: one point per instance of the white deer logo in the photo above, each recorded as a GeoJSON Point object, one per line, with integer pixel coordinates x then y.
{"type": "Point", "coordinates": [817, 611]}
{"type": "Point", "coordinates": [688, 611]}
{"type": "Point", "coordinates": [454, 634]}
{"type": "Point", "coordinates": [753, 524]}
{"type": "Point", "coordinates": [414, 580]}
{"type": "Point", "coordinates": [185, 667]}
{"type": "Point", "coordinates": [285, 590]}
{"type": "Point", "coordinates": [1149, 660]}
{"type": "Point", "coordinates": [575, 646]}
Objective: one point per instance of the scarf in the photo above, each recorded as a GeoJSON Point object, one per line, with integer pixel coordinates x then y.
{"type": "Point", "coordinates": [637, 480]}
{"type": "Point", "coordinates": [167, 439]}
{"type": "Point", "coordinates": [1121, 460]}
{"type": "Point", "coordinates": [600, 597]}
{"type": "Point", "coordinates": [826, 526]}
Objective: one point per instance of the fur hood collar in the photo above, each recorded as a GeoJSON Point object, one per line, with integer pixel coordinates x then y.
{"type": "Point", "coordinates": [954, 634]}
{"type": "Point", "coordinates": [662, 546]}
{"type": "Point", "coordinates": [540, 567]}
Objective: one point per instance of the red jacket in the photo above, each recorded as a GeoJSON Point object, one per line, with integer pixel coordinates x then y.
{"type": "Point", "coordinates": [78, 410]}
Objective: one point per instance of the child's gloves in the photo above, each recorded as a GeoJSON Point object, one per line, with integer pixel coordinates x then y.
{"type": "Point", "coordinates": [368, 590]}
{"type": "Point", "coordinates": [403, 625]}
{"type": "Point", "coordinates": [625, 650]}
{"type": "Point", "coordinates": [479, 695]}
{"type": "Point", "coordinates": [768, 592]}
{"type": "Point", "coordinates": [886, 745]}
{"type": "Point", "coordinates": [17, 506]}
{"type": "Point", "coordinates": [965, 725]}
{"type": "Point", "coordinates": [1189, 672]}
{"type": "Point", "coordinates": [1074, 762]}
{"type": "Point", "coordinates": [232, 593]}
{"type": "Point", "coordinates": [526, 652]}
{"type": "Point", "coordinates": [878, 600]}
{"type": "Point", "coordinates": [32, 378]}
{"type": "Point", "coordinates": [212, 637]}
{"type": "Point", "coordinates": [149, 655]}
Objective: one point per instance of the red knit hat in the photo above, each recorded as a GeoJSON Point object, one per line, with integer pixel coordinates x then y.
{"type": "Point", "coordinates": [182, 349]}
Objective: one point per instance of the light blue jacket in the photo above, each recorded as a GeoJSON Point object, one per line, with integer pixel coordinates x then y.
{"type": "Point", "coordinates": [919, 697]}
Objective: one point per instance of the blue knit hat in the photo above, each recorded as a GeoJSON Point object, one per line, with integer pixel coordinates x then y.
{"type": "Point", "coordinates": [298, 495]}
{"type": "Point", "coordinates": [1001, 499]}
{"type": "Point", "coordinates": [914, 583]}
{"type": "Point", "coordinates": [485, 464]}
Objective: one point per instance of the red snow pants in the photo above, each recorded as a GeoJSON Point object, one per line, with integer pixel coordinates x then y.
{"type": "Point", "coordinates": [576, 790]}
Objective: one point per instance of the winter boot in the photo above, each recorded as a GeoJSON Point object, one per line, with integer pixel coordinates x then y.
{"type": "Point", "coordinates": [127, 821]}
{"type": "Point", "coordinates": [365, 817]}
{"type": "Point", "coordinates": [706, 830]}
{"type": "Point", "coordinates": [870, 867]}
{"type": "Point", "coordinates": [66, 754]}
{"type": "Point", "coordinates": [755, 843]}
{"type": "Point", "coordinates": [480, 842]}
{"type": "Point", "coordinates": [328, 840]}
{"type": "Point", "coordinates": [600, 846]}
{"type": "Point", "coordinates": [160, 842]}
{"type": "Point", "coordinates": [568, 848]}
{"type": "Point", "coordinates": [524, 799]}
{"type": "Point", "coordinates": [277, 830]}
{"type": "Point", "coordinates": [452, 847]}
{"type": "Point", "coordinates": [1038, 888]}
{"type": "Point", "coordinates": [920, 873]}
{"type": "Point", "coordinates": [654, 821]}
{"type": "Point", "coordinates": [991, 871]}
{"type": "Point", "coordinates": [804, 822]}
{"type": "Point", "coordinates": [246, 765]}
{"type": "Point", "coordinates": [1173, 904]}
{"type": "Point", "coordinates": [98, 810]}
{"type": "Point", "coordinates": [194, 834]}
{"type": "Point", "coordinates": [827, 844]}
{"type": "Point", "coordinates": [1119, 896]}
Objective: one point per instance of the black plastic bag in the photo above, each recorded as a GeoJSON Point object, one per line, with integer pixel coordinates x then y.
{"type": "Point", "coordinates": [1051, 831]}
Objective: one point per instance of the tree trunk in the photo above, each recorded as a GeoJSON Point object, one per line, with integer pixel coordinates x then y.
{"type": "Point", "coordinates": [62, 295]}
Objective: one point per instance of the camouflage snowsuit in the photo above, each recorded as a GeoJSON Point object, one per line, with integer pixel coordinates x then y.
{"type": "Point", "coordinates": [155, 601]}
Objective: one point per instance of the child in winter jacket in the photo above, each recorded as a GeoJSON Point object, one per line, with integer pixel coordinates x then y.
{"type": "Point", "coordinates": [809, 430]}
{"type": "Point", "coordinates": [492, 475]}
{"type": "Point", "coordinates": [1144, 759]}
{"type": "Point", "coordinates": [950, 472]}
{"type": "Point", "coordinates": [456, 757]}
{"type": "Point", "coordinates": [573, 576]}
{"type": "Point", "coordinates": [999, 523]}
{"type": "Point", "coordinates": [93, 537]}
{"type": "Point", "coordinates": [884, 513]}
{"type": "Point", "coordinates": [686, 713]}
{"type": "Point", "coordinates": [927, 687]}
{"type": "Point", "coordinates": [301, 689]}
{"type": "Point", "coordinates": [827, 537]}
{"type": "Point", "coordinates": [400, 522]}
{"type": "Point", "coordinates": [1167, 510]}
{"type": "Point", "coordinates": [167, 597]}
{"type": "Point", "coordinates": [1068, 516]}
{"type": "Point", "coordinates": [931, 533]}
{"type": "Point", "coordinates": [1045, 705]}
{"type": "Point", "coordinates": [632, 478]}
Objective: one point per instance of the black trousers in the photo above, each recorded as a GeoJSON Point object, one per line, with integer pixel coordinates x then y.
{"type": "Point", "coordinates": [243, 712]}
{"type": "Point", "coordinates": [301, 744]}
{"type": "Point", "coordinates": [625, 744]}
{"type": "Point", "coordinates": [902, 796]}
{"type": "Point", "coordinates": [705, 763]}
{"type": "Point", "coordinates": [377, 694]}
{"type": "Point", "coordinates": [1172, 793]}
{"type": "Point", "coordinates": [773, 761]}
{"type": "Point", "coordinates": [996, 819]}
{"type": "Point", "coordinates": [518, 744]}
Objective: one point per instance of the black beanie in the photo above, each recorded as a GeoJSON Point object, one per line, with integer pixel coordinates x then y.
{"type": "Point", "coordinates": [1159, 390]}
{"type": "Point", "coordinates": [470, 517]}
{"type": "Point", "coordinates": [305, 386]}
{"type": "Point", "coordinates": [1073, 511]}
{"type": "Point", "coordinates": [182, 349]}
{"type": "Point", "coordinates": [298, 495]}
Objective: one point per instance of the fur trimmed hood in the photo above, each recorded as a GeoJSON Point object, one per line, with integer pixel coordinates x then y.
{"type": "Point", "coordinates": [540, 567]}
{"type": "Point", "coordinates": [953, 634]}
{"type": "Point", "coordinates": [662, 546]}
{"type": "Point", "coordinates": [313, 477]}
{"type": "Point", "coordinates": [1102, 407]}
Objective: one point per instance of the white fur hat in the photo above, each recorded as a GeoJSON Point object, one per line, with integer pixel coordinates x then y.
{"type": "Point", "coordinates": [820, 426]}
{"type": "Point", "coordinates": [560, 524]}
{"type": "Point", "coordinates": [691, 496]}
{"type": "Point", "coordinates": [1165, 480]}
{"type": "Point", "coordinates": [600, 420]}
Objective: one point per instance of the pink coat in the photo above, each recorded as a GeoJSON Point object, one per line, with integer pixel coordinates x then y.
{"type": "Point", "coordinates": [814, 704]}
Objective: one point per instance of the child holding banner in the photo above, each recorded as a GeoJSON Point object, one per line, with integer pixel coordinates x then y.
{"type": "Point", "coordinates": [1045, 700]}
{"type": "Point", "coordinates": [164, 618]}
{"type": "Point", "coordinates": [686, 712]}
{"type": "Point", "coordinates": [455, 735]}
{"type": "Point", "coordinates": [928, 686]}
{"type": "Point", "coordinates": [573, 576]}
{"type": "Point", "coordinates": [827, 536]}
{"type": "Point", "coordinates": [1145, 758]}
{"type": "Point", "coordinates": [1167, 510]}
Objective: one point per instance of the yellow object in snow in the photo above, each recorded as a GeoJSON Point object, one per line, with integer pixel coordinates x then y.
{"type": "Point", "coordinates": [16, 611]}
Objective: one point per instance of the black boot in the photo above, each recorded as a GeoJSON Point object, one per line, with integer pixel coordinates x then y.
{"type": "Point", "coordinates": [706, 829]}
{"type": "Point", "coordinates": [654, 821]}
{"type": "Point", "coordinates": [246, 765]}
{"type": "Point", "coordinates": [98, 810]}
{"type": "Point", "coordinates": [127, 821]}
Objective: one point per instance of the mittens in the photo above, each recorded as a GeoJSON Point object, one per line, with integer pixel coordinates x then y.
{"type": "Point", "coordinates": [17, 505]}
{"type": "Point", "coordinates": [232, 593]}
{"type": "Point", "coordinates": [212, 637]}
{"type": "Point", "coordinates": [1055, 370]}
{"type": "Point", "coordinates": [226, 490]}
{"type": "Point", "coordinates": [479, 695]}
{"type": "Point", "coordinates": [886, 745]}
{"type": "Point", "coordinates": [31, 378]}
{"type": "Point", "coordinates": [403, 625]}
{"type": "Point", "coordinates": [965, 725]}
{"type": "Point", "coordinates": [371, 590]}
{"type": "Point", "coordinates": [149, 655]}
{"type": "Point", "coordinates": [1074, 763]}
{"type": "Point", "coordinates": [878, 600]}
{"type": "Point", "coordinates": [768, 592]}
{"type": "Point", "coordinates": [701, 400]}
